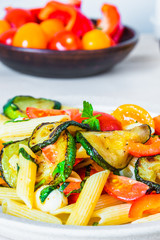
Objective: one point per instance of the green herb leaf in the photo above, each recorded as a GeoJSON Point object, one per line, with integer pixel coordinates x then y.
{"type": "Point", "coordinates": [87, 110]}
{"type": "Point", "coordinates": [45, 192]}
{"type": "Point", "coordinates": [92, 121]}
{"type": "Point", "coordinates": [95, 224]}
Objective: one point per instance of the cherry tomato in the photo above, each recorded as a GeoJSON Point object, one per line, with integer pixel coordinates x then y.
{"type": "Point", "coordinates": [107, 121]}
{"type": "Point", "coordinates": [37, 113]}
{"type": "Point", "coordinates": [4, 26]}
{"type": "Point", "coordinates": [51, 26]}
{"type": "Point", "coordinates": [7, 37]}
{"type": "Point", "coordinates": [128, 114]}
{"type": "Point", "coordinates": [157, 124]}
{"type": "Point", "coordinates": [30, 35]}
{"type": "Point", "coordinates": [35, 12]}
{"type": "Point", "coordinates": [96, 39]}
{"type": "Point", "coordinates": [18, 17]}
{"type": "Point", "coordinates": [73, 198]}
{"type": "Point", "coordinates": [65, 40]}
{"type": "Point", "coordinates": [124, 188]}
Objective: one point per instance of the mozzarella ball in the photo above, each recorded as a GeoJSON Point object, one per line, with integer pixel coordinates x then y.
{"type": "Point", "coordinates": [54, 201]}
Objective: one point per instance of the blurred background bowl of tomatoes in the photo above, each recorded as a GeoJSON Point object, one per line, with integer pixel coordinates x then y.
{"type": "Point", "coordinates": [58, 41]}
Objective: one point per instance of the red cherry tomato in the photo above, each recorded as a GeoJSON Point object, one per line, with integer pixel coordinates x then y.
{"type": "Point", "coordinates": [65, 40]}
{"type": "Point", "coordinates": [107, 121]}
{"type": "Point", "coordinates": [73, 198]}
{"type": "Point", "coordinates": [124, 188]}
{"type": "Point", "coordinates": [18, 17]}
{"type": "Point", "coordinates": [7, 37]}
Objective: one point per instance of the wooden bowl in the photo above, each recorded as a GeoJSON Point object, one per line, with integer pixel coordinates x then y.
{"type": "Point", "coordinates": [67, 64]}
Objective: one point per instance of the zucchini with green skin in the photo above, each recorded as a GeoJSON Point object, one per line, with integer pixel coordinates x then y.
{"type": "Point", "coordinates": [9, 162]}
{"type": "Point", "coordinates": [108, 149]}
{"type": "Point", "coordinates": [16, 107]}
{"type": "Point", "coordinates": [147, 170]}
{"type": "Point", "coordinates": [64, 168]}
{"type": "Point", "coordinates": [48, 133]}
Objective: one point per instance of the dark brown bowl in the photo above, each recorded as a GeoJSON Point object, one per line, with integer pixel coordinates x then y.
{"type": "Point", "coordinates": [67, 64]}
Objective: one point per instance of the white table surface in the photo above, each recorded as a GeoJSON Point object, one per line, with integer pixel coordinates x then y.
{"type": "Point", "coordinates": [135, 80]}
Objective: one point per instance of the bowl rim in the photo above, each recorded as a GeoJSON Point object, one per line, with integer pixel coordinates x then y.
{"type": "Point", "coordinates": [91, 232]}
{"type": "Point", "coordinates": [132, 40]}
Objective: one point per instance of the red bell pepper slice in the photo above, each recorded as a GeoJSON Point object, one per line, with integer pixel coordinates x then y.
{"type": "Point", "coordinates": [75, 3]}
{"type": "Point", "coordinates": [73, 198]}
{"type": "Point", "coordinates": [125, 189]}
{"type": "Point", "coordinates": [142, 150]}
{"type": "Point", "coordinates": [145, 204]}
{"type": "Point", "coordinates": [157, 125]}
{"type": "Point", "coordinates": [111, 22]}
{"type": "Point", "coordinates": [18, 17]}
{"type": "Point", "coordinates": [73, 20]}
{"type": "Point", "coordinates": [54, 6]}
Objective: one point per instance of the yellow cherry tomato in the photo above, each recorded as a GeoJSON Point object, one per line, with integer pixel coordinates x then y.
{"type": "Point", "coordinates": [4, 26]}
{"type": "Point", "coordinates": [129, 114]}
{"type": "Point", "coordinates": [51, 26]}
{"type": "Point", "coordinates": [96, 39]}
{"type": "Point", "coordinates": [30, 35]}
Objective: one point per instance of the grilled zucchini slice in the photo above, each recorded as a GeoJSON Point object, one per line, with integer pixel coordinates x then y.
{"type": "Point", "coordinates": [65, 153]}
{"type": "Point", "coordinates": [9, 162]}
{"type": "Point", "coordinates": [108, 150]}
{"type": "Point", "coordinates": [147, 170]}
{"type": "Point", "coordinates": [16, 107]}
{"type": "Point", "coordinates": [48, 133]}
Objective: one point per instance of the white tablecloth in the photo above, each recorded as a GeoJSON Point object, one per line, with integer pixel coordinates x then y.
{"type": "Point", "coordinates": [136, 79]}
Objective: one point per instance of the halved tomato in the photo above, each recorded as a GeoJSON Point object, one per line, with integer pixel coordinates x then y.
{"type": "Point", "coordinates": [107, 121]}
{"type": "Point", "coordinates": [124, 188]}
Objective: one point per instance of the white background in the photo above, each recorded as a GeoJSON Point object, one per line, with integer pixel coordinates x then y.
{"type": "Point", "coordinates": [136, 13]}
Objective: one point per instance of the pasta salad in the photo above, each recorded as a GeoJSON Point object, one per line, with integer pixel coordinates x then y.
{"type": "Point", "coordinates": [81, 167]}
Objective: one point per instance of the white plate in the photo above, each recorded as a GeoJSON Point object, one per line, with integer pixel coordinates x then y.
{"type": "Point", "coordinates": [22, 229]}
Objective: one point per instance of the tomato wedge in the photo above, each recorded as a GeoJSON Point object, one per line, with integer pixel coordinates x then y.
{"type": "Point", "coordinates": [124, 188]}
{"type": "Point", "coordinates": [37, 113]}
{"type": "Point", "coordinates": [107, 121]}
{"type": "Point", "coordinates": [145, 204]}
{"type": "Point", "coordinates": [73, 198]}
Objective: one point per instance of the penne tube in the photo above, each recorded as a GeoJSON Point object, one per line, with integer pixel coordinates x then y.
{"type": "Point", "coordinates": [88, 199]}
{"type": "Point", "coordinates": [26, 176]}
{"type": "Point", "coordinates": [114, 215]}
{"type": "Point", "coordinates": [9, 193]}
{"type": "Point", "coordinates": [22, 129]}
{"type": "Point", "coordinates": [63, 213]}
{"type": "Point", "coordinates": [20, 210]}
{"type": "Point", "coordinates": [106, 200]}
{"type": "Point", "coordinates": [154, 217]}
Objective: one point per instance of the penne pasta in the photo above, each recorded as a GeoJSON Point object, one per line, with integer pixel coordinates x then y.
{"type": "Point", "coordinates": [26, 177]}
{"type": "Point", "coordinates": [63, 213]}
{"type": "Point", "coordinates": [154, 217]}
{"type": "Point", "coordinates": [20, 210]}
{"type": "Point", "coordinates": [88, 199]}
{"type": "Point", "coordinates": [23, 129]}
{"type": "Point", "coordinates": [106, 200]}
{"type": "Point", "coordinates": [114, 215]}
{"type": "Point", "coordinates": [9, 193]}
